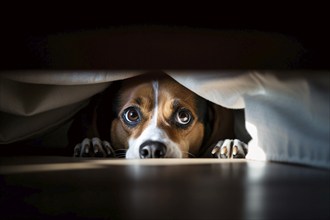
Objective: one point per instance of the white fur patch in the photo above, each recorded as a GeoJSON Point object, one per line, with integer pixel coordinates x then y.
{"type": "Point", "coordinates": [155, 114]}
{"type": "Point", "coordinates": [153, 133]}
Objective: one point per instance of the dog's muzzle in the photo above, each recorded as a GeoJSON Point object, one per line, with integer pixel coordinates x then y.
{"type": "Point", "coordinates": [152, 149]}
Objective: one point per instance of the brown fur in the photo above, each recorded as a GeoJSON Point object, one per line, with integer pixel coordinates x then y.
{"type": "Point", "coordinates": [140, 93]}
{"type": "Point", "coordinates": [103, 116]}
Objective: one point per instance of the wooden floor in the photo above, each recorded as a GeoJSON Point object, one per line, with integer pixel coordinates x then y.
{"type": "Point", "coordinates": [63, 187]}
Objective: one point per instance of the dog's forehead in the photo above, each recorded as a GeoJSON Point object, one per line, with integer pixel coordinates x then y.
{"type": "Point", "coordinates": [144, 90]}
{"type": "Point", "coordinates": [137, 93]}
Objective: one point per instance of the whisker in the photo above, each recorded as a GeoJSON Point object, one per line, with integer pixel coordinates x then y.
{"type": "Point", "coordinates": [120, 149]}
{"type": "Point", "coordinates": [120, 153]}
{"type": "Point", "coordinates": [189, 154]}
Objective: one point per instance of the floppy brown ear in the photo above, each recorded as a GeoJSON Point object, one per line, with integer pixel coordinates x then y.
{"type": "Point", "coordinates": [239, 126]}
{"type": "Point", "coordinates": [106, 111]}
{"type": "Point", "coordinates": [219, 125]}
{"type": "Point", "coordinates": [83, 125]}
{"type": "Point", "coordinates": [222, 123]}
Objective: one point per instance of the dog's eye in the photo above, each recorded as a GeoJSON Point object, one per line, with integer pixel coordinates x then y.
{"type": "Point", "coordinates": [131, 116]}
{"type": "Point", "coordinates": [183, 117]}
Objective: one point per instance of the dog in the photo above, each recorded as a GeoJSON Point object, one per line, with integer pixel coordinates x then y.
{"type": "Point", "coordinates": [153, 116]}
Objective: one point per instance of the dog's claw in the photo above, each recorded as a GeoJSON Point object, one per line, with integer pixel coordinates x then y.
{"type": "Point", "coordinates": [77, 150]}
{"type": "Point", "coordinates": [235, 150]}
{"type": "Point", "coordinates": [230, 149]}
{"type": "Point", "coordinates": [215, 150]}
{"type": "Point", "coordinates": [223, 150]}
{"type": "Point", "coordinates": [93, 148]}
{"type": "Point", "coordinates": [108, 148]}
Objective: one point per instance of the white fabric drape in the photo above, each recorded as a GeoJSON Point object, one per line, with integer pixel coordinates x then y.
{"type": "Point", "coordinates": [287, 113]}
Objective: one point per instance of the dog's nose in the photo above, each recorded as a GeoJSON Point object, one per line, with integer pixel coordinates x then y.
{"type": "Point", "coordinates": [152, 149]}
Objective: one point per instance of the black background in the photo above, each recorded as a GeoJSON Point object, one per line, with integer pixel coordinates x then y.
{"type": "Point", "coordinates": [20, 23]}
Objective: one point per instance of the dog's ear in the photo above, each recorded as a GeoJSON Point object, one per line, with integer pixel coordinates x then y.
{"type": "Point", "coordinates": [218, 125]}
{"type": "Point", "coordinates": [106, 110]}
{"type": "Point", "coordinates": [95, 119]}
{"type": "Point", "coordinates": [239, 126]}
{"type": "Point", "coordinates": [82, 125]}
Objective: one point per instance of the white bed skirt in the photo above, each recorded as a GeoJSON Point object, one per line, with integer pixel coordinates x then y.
{"type": "Point", "coordinates": [287, 113]}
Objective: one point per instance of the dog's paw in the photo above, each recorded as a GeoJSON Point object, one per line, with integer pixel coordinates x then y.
{"type": "Point", "coordinates": [230, 149]}
{"type": "Point", "coordinates": [93, 148]}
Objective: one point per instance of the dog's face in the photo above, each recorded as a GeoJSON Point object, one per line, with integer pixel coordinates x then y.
{"type": "Point", "coordinates": [157, 118]}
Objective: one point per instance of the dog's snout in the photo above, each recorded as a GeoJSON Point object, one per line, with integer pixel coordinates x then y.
{"type": "Point", "coordinates": [152, 149]}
